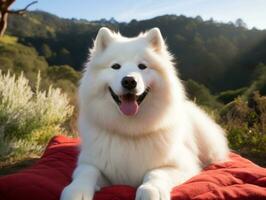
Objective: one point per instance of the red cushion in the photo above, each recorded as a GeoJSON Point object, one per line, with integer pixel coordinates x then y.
{"type": "Point", "coordinates": [237, 179]}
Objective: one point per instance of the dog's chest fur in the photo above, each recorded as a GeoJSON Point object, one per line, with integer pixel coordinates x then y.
{"type": "Point", "coordinates": [125, 160]}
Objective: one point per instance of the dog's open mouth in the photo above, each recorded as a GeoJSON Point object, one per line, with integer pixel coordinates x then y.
{"type": "Point", "coordinates": [129, 102]}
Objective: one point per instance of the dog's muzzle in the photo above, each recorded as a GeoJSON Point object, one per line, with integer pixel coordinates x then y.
{"type": "Point", "coordinates": [129, 102]}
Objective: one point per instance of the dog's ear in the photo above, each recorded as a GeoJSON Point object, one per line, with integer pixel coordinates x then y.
{"type": "Point", "coordinates": [103, 39]}
{"type": "Point", "coordinates": [155, 39]}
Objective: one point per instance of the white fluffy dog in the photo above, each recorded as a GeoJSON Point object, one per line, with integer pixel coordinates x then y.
{"type": "Point", "coordinates": [137, 126]}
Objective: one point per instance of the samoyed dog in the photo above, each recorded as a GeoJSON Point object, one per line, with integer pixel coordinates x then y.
{"type": "Point", "coordinates": [136, 125]}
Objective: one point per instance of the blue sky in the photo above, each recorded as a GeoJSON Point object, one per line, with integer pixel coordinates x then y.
{"type": "Point", "coordinates": [253, 12]}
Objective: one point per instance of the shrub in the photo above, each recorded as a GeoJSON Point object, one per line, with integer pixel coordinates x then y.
{"type": "Point", "coordinates": [230, 95]}
{"type": "Point", "coordinates": [200, 94]}
{"type": "Point", "coordinates": [245, 122]}
{"type": "Point", "coordinates": [235, 111]}
{"type": "Point", "coordinates": [248, 141]}
{"type": "Point", "coordinates": [258, 81]}
{"type": "Point", "coordinates": [8, 39]}
{"type": "Point", "coordinates": [29, 116]}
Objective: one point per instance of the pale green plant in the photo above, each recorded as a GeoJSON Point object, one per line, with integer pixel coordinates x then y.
{"type": "Point", "coordinates": [29, 115]}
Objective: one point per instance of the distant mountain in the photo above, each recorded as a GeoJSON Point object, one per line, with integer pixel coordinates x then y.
{"type": "Point", "coordinates": [218, 55]}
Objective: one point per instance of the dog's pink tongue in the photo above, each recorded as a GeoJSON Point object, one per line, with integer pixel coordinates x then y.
{"type": "Point", "coordinates": [129, 106]}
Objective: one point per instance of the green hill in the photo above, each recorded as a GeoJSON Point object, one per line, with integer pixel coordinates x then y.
{"type": "Point", "coordinates": [206, 51]}
{"type": "Point", "coordinates": [16, 57]}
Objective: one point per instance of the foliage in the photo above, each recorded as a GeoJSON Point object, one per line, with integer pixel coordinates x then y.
{"type": "Point", "coordinates": [8, 39]}
{"type": "Point", "coordinates": [245, 122]}
{"type": "Point", "coordinates": [230, 95]}
{"type": "Point", "coordinates": [200, 94]}
{"type": "Point", "coordinates": [29, 116]}
{"type": "Point", "coordinates": [259, 81]}
{"type": "Point", "coordinates": [235, 111]}
{"type": "Point", "coordinates": [206, 51]}
{"type": "Point", "coordinates": [15, 57]}
{"type": "Point", "coordinates": [63, 72]}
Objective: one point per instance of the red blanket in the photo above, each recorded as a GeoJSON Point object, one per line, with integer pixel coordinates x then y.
{"type": "Point", "coordinates": [237, 179]}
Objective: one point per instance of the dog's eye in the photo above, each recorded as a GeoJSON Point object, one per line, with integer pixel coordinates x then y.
{"type": "Point", "coordinates": [116, 66]}
{"type": "Point", "coordinates": [142, 66]}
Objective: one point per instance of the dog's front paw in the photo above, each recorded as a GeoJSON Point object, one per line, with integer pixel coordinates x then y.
{"type": "Point", "coordinates": [151, 192]}
{"type": "Point", "coordinates": [77, 192]}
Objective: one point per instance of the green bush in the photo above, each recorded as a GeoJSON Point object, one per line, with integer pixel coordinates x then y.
{"type": "Point", "coordinates": [29, 116]}
{"type": "Point", "coordinates": [245, 122]}
{"type": "Point", "coordinates": [258, 81]}
{"type": "Point", "coordinates": [229, 95]}
{"type": "Point", "coordinates": [200, 94]}
{"type": "Point", "coordinates": [16, 57]}
{"type": "Point", "coordinates": [236, 111]}
{"type": "Point", "coordinates": [247, 140]}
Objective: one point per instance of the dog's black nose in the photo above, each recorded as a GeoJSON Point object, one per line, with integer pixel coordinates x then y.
{"type": "Point", "coordinates": [129, 82]}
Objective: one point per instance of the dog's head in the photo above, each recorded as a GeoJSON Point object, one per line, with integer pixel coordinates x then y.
{"type": "Point", "coordinates": [129, 84]}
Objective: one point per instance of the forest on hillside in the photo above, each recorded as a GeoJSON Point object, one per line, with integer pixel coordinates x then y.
{"type": "Point", "coordinates": [223, 65]}
{"type": "Point", "coordinates": [205, 51]}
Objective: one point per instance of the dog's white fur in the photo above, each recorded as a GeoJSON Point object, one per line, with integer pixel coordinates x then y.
{"type": "Point", "coordinates": [167, 142]}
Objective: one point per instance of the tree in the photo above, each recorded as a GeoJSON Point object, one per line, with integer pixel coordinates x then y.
{"type": "Point", "coordinates": [4, 12]}
{"type": "Point", "coordinates": [240, 23]}
{"type": "Point", "coordinates": [46, 51]}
